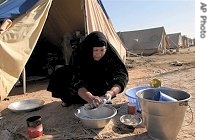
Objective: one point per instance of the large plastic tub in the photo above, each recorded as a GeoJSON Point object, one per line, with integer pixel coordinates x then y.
{"type": "Point", "coordinates": [131, 94]}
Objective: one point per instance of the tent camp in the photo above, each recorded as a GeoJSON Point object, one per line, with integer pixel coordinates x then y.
{"type": "Point", "coordinates": [175, 40]}
{"type": "Point", "coordinates": [145, 42]}
{"type": "Point", "coordinates": [51, 19]}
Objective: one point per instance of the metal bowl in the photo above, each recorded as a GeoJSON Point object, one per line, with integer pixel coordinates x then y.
{"type": "Point", "coordinates": [130, 120]}
{"type": "Point", "coordinates": [26, 105]}
{"type": "Point", "coordinates": [96, 118]}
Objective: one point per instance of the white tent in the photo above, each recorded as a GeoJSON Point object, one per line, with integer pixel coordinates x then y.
{"type": "Point", "coordinates": [52, 18]}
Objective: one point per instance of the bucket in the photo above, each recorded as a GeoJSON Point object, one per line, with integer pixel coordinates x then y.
{"type": "Point", "coordinates": [132, 98]}
{"type": "Point", "coordinates": [163, 119]}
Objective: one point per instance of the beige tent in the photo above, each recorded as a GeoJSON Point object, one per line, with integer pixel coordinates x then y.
{"type": "Point", "coordinates": [185, 41]}
{"type": "Point", "coordinates": [145, 42]}
{"type": "Point", "coordinates": [175, 40]}
{"type": "Point", "coordinates": [53, 19]}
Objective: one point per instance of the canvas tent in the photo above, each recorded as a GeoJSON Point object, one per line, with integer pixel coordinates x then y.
{"type": "Point", "coordinates": [52, 19]}
{"type": "Point", "coordinates": [145, 42]}
{"type": "Point", "coordinates": [185, 41]}
{"type": "Point", "coordinates": [191, 42]}
{"type": "Point", "coordinates": [175, 40]}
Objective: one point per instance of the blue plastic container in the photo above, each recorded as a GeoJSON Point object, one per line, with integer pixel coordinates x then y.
{"type": "Point", "coordinates": [132, 97]}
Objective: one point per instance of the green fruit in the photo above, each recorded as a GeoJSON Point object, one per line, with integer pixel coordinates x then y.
{"type": "Point", "coordinates": [155, 83]}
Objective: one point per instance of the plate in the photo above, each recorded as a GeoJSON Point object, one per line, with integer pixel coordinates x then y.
{"type": "Point", "coordinates": [26, 105]}
{"type": "Point", "coordinates": [130, 120]}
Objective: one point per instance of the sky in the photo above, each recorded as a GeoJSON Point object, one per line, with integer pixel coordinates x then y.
{"type": "Point", "coordinates": [174, 15]}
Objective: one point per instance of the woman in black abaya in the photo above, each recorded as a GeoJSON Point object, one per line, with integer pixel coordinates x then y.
{"type": "Point", "coordinates": [97, 71]}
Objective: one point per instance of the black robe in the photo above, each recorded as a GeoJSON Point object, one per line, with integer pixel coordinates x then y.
{"type": "Point", "coordinates": [96, 76]}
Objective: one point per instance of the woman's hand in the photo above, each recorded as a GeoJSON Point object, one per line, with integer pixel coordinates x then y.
{"type": "Point", "coordinates": [108, 96]}
{"type": "Point", "coordinates": [96, 101]}
{"type": "Point", "coordinates": [114, 90]}
{"type": "Point", "coordinates": [86, 95]}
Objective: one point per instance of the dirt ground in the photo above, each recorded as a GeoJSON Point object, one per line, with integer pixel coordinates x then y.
{"type": "Point", "coordinates": [61, 124]}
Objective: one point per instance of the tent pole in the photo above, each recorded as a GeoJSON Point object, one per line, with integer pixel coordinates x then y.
{"type": "Point", "coordinates": [84, 16]}
{"type": "Point", "coordinates": [24, 80]}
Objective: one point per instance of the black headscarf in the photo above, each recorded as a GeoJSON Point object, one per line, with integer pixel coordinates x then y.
{"type": "Point", "coordinates": [100, 76]}
{"type": "Point", "coordinates": [97, 39]}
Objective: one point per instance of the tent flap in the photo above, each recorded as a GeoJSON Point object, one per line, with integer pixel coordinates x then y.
{"type": "Point", "coordinates": [17, 44]}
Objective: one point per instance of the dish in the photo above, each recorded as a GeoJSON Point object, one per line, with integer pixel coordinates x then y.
{"type": "Point", "coordinates": [130, 120]}
{"type": "Point", "coordinates": [26, 105]}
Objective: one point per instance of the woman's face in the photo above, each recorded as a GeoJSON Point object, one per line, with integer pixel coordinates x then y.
{"type": "Point", "coordinates": [98, 52]}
